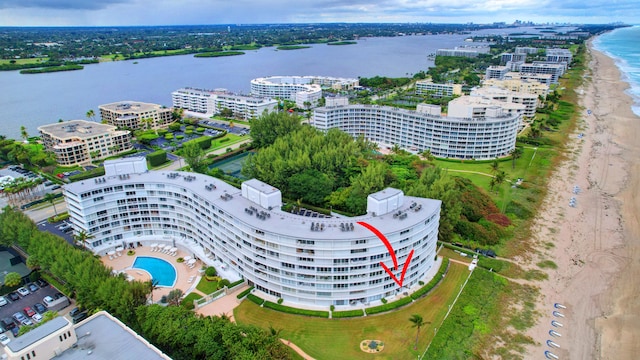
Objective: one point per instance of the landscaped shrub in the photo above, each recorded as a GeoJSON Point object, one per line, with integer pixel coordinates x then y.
{"type": "Point", "coordinates": [224, 282]}
{"type": "Point", "coordinates": [436, 279]}
{"type": "Point", "coordinates": [210, 271]}
{"type": "Point", "coordinates": [236, 283]}
{"type": "Point", "coordinates": [180, 137]}
{"type": "Point", "coordinates": [255, 299]}
{"type": "Point", "coordinates": [244, 293]}
{"type": "Point", "coordinates": [332, 307]}
{"type": "Point", "coordinates": [347, 313]}
{"type": "Point", "coordinates": [200, 129]}
{"type": "Point", "coordinates": [383, 300]}
{"type": "Point", "coordinates": [168, 136]}
{"type": "Point", "coordinates": [389, 306]}
{"type": "Point", "coordinates": [280, 300]}
{"type": "Point", "coordinates": [99, 171]}
{"type": "Point", "coordinates": [295, 311]}
{"type": "Point", "coordinates": [157, 158]}
{"type": "Point", "coordinates": [203, 141]}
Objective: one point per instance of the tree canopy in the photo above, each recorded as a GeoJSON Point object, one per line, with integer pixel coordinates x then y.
{"type": "Point", "coordinates": [268, 127]}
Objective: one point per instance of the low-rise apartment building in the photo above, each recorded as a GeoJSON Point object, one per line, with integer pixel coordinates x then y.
{"type": "Point", "coordinates": [518, 85]}
{"type": "Point", "coordinates": [78, 142]}
{"type": "Point", "coordinates": [136, 115]}
{"type": "Point", "coordinates": [212, 102]}
{"type": "Point", "coordinates": [427, 87]}
{"type": "Point", "coordinates": [530, 101]}
{"type": "Point", "coordinates": [306, 91]}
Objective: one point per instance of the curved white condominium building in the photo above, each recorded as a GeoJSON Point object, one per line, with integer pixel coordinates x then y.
{"type": "Point", "coordinates": [301, 89]}
{"type": "Point", "coordinates": [305, 258]}
{"type": "Point", "coordinates": [486, 133]}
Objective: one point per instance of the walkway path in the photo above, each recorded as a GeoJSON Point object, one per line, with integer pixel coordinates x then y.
{"type": "Point", "coordinates": [297, 349]}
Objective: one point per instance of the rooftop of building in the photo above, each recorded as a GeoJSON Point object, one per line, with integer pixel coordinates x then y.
{"type": "Point", "coordinates": [102, 336]}
{"type": "Point", "coordinates": [76, 129]}
{"type": "Point", "coordinates": [129, 106]}
{"type": "Point", "coordinates": [22, 342]}
{"type": "Point", "coordinates": [230, 200]}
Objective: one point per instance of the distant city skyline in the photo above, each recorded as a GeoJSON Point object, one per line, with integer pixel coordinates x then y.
{"type": "Point", "coordinates": [197, 12]}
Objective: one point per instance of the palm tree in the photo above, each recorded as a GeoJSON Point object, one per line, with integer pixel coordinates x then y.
{"type": "Point", "coordinates": [417, 322]}
{"type": "Point", "coordinates": [83, 237]}
{"type": "Point", "coordinates": [516, 153]}
{"type": "Point", "coordinates": [50, 197]}
{"type": "Point", "coordinates": [495, 166]}
{"type": "Point", "coordinates": [500, 178]}
{"type": "Point", "coordinates": [91, 115]}
{"type": "Point", "coordinates": [23, 133]}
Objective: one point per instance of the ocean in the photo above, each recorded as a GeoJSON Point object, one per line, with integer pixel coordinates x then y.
{"type": "Point", "coordinates": [623, 45]}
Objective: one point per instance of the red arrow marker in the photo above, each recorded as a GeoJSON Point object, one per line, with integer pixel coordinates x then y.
{"type": "Point", "coordinates": [404, 270]}
{"type": "Point", "coordinates": [391, 252]}
{"type": "Point", "coordinates": [384, 240]}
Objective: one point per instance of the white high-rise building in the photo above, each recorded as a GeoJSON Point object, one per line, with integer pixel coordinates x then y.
{"type": "Point", "coordinates": [212, 102]}
{"type": "Point", "coordinates": [310, 260]}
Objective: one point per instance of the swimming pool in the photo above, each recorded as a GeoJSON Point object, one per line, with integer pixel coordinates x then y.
{"type": "Point", "coordinates": [160, 270]}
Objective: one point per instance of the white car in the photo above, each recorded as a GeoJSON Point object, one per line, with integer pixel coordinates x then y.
{"type": "Point", "coordinates": [3, 301]}
{"type": "Point", "coordinates": [36, 318]}
{"type": "Point", "coordinates": [4, 340]}
{"type": "Point", "coordinates": [23, 291]}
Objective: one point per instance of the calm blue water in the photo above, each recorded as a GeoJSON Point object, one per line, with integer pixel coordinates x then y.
{"type": "Point", "coordinates": [623, 45]}
{"type": "Point", "coordinates": [160, 270]}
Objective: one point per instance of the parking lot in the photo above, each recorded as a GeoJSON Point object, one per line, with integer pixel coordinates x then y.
{"type": "Point", "coordinates": [23, 301]}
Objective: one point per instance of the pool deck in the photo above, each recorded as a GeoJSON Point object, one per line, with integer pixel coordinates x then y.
{"type": "Point", "coordinates": [183, 272]}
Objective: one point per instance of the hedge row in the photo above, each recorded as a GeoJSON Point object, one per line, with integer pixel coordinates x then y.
{"type": "Point", "coordinates": [389, 306]}
{"type": "Point", "coordinates": [255, 299]}
{"type": "Point", "coordinates": [203, 141]}
{"type": "Point", "coordinates": [436, 279]}
{"type": "Point", "coordinates": [244, 293]}
{"type": "Point", "coordinates": [157, 158]}
{"type": "Point", "coordinates": [235, 283]}
{"type": "Point", "coordinates": [295, 311]}
{"type": "Point", "coordinates": [347, 313]}
{"type": "Point", "coordinates": [99, 171]}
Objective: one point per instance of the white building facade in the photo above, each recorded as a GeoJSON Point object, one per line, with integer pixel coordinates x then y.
{"type": "Point", "coordinates": [313, 261]}
{"type": "Point", "coordinates": [530, 101]}
{"type": "Point", "coordinates": [474, 136]}
{"type": "Point", "coordinates": [214, 101]}
{"type": "Point", "coordinates": [304, 90]}
{"type": "Point", "coordinates": [427, 87]}
{"type": "Point", "coordinates": [131, 115]}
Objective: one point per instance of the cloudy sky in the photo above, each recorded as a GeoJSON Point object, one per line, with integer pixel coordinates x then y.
{"type": "Point", "coordinates": [167, 12]}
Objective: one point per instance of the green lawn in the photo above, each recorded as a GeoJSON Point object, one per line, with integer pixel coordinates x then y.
{"type": "Point", "coordinates": [340, 338]}
{"type": "Point", "coordinates": [23, 61]}
{"type": "Point", "coordinates": [219, 144]}
{"type": "Point", "coordinates": [206, 286]}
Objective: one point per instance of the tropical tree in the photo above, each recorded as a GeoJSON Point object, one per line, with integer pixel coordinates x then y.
{"type": "Point", "coordinates": [147, 122]}
{"type": "Point", "coordinates": [193, 154]}
{"type": "Point", "coordinates": [50, 198]}
{"type": "Point", "coordinates": [427, 155]}
{"type": "Point", "coordinates": [91, 115]}
{"type": "Point", "coordinates": [23, 133]}
{"type": "Point", "coordinates": [495, 166]}
{"type": "Point", "coordinates": [516, 153]}
{"type": "Point", "coordinates": [83, 238]}
{"type": "Point", "coordinates": [501, 176]}
{"type": "Point", "coordinates": [12, 279]}
{"type": "Point", "coordinates": [417, 322]}
{"type": "Point", "coordinates": [33, 262]}
{"type": "Point", "coordinates": [174, 297]}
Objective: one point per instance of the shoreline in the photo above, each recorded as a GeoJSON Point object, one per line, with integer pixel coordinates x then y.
{"type": "Point", "coordinates": [595, 244]}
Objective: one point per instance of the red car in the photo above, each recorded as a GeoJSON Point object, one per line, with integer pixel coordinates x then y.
{"type": "Point", "coordinates": [29, 311]}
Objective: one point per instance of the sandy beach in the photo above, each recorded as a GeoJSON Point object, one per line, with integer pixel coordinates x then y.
{"type": "Point", "coordinates": [596, 244]}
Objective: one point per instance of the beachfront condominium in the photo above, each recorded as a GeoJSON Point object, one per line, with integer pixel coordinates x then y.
{"type": "Point", "coordinates": [545, 79]}
{"type": "Point", "coordinates": [306, 91]}
{"type": "Point", "coordinates": [496, 72]}
{"type": "Point", "coordinates": [134, 115]}
{"type": "Point", "coordinates": [530, 101]}
{"type": "Point", "coordinates": [556, 70]}
{"type": "Point", "coordinates": [302, 257]}
{"type": "Point", "coordinates": [556, 55]}
{"type": "Point", "coordinates": [213, 102]}
{"type": "Point", "coordinates": [463, 52]}
{"type": "Point", "coordinates": [481, 131]}
{"type": "Point", "coordinates": [427, 87]}
{"type": "Point", "coordinates": [78, 142]}
{"type": "Point", "coordinates": [518, 85]}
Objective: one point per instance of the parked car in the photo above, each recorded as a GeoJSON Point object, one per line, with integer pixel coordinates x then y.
{"type": "Point", "coordinates": [14, 296]}
{"type": "Point", "coordinates": [26, 322]}
{"type": "Point", "coordinates": [23, 291]}
{"type": "Point", "coordinates": [36, 318]}
{"type": "Point", "coordinates": [15, 330]}
{"type": "Point", "coordinates": [19, 317]}
{"type": "Point", "coordinates": [47, 300]}
{"type": "Point", "coordinates": [7, 323]}
{"type": "Point", "coordinates": [33, 287]}
{"type": "Point", "coordinates": [75, 311]}
{"type": "Point", "coordinates": [29, 311]}
{"type": "Point", "coordinates": [3, 301]}
{"type": "Point", "coordinates": [79, 317]}
{"type": "Point", "coordinates": [40, 309]}
{"type": "Point", "coordinates": [4, 339]}
{"type": "Point", "coordinates": [42, 283]}
{"type": "Point", "coordinates": [58, 295]}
